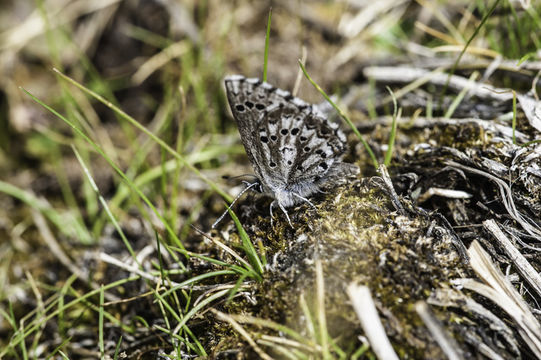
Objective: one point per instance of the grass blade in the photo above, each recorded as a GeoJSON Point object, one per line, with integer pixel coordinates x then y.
{"type": "Point", "coordinates": [343, 116]}
{"type": "Point", "coordinates": [267, 37]}
{"type": "Point", "coordinates": [477, 29]}
{"type": "Point", "coordinates": [392, 136]}
{"type": "Point", "coordinates": [136, 124]}
{"type": "Point", "coordinates": [113, 165]}
{"type": "Point", "coordinates": [248, 247]}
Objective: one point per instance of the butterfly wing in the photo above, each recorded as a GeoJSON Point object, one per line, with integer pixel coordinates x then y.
{"type": "Point", "coordinates": [289, 144]}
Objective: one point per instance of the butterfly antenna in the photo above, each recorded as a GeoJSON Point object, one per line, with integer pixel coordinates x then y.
{"type": "Point", "coordinates": [229, 178]}
{"type": "Point", "coordinates": [248, 187]}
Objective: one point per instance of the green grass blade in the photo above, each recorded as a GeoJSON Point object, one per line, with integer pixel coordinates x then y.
{"type": "Point", "coordinates": [105, 206]}
{"type": "Point", "coordinates": [200, 306]}
{"type": "Point", "coordinates": [67, 224]}
{"type": "Point", "coordinates": [117, 348]}
{"type": "Point", "coordinates": [267, 38]}
{"type": "Point", "coordinates": [360, 351]}
{"type": "Point", "coordinates": [100, 325]}
{"type": "Point", "coordinates": [477, 29]}
{"type": "Point", "coordinates": [57, 349]}
{"type": "Point", "coordinates": [198, 278]}
{"type": "Point", "coordinates": [113, 165]}
{"type": "Point", "coordinates": [79, 298]}
{"type": "Point", "coordinates": [235, 288]}
{"type": "Point", "coordinates": [392, 135]}
{"type": "Point", "coordinates": [460, 96]}
{"type": "Point", "coordinates": [343, 116]}
{"type": "Point", "coordinates": [248, 247]}
{"type": "Point", "coordinates": [136, 124]}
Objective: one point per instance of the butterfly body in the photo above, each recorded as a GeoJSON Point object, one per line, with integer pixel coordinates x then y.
{"type": "Point", "coordinates": [293, 148]}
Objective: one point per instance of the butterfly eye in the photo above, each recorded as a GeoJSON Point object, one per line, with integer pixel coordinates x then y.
{"type": "Point", "coordinates": [284, 131]}
{"type": "Point", "coordinates": [272, 164]}
{"type": "Point", "coordinates": [240, 108]}
{"type": "Point", "coordinates": [249, 104]}
{"type": "Point", "coordinates": [323, 165]}
{"type": "Point", "coordinates": [264, 139]}
{"type": "Point", "coordinates": [306, 148]}
{"type": "Point", "coordinates": [294, 131]}
{"type": "Point", "coordinates": [259, 106]}
{"type": "Point", "coordinates": [303, 138]}
{"type": "Point", "coordinates": [274, 138]}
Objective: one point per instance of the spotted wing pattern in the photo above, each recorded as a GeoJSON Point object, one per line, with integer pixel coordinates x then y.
{"type": "Point", "coordinates": [289, 144]}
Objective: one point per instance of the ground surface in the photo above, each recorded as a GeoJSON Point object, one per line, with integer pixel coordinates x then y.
{"type": "Point", "coordinates": [107, 244]}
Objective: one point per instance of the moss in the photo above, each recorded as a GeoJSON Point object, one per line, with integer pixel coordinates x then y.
{"type": "Point", "coordinates": [358, 237]}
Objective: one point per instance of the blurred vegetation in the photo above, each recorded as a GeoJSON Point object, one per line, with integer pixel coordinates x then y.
{"type": "Point", "coordinates": [115, 136]}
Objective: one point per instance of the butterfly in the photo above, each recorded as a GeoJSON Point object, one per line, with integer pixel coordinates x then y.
{"type": "Point", "coordinates": [293, 148]}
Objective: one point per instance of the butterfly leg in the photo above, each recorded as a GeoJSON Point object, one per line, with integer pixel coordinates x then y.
{"type": "Point", "coordinates": [285, 212]}
{"type": "Point", "coordinates": [305, 200]}
{"type": "Point", "coordinates": [270, 210]}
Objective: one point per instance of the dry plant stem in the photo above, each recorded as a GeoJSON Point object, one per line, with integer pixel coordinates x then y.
{"type": "Point", "coordinates": [502, 292]}
{"type": "Point", "coordinates": [471, 50]}
{"type": "Point", "coordinates": [435, 33]}
{"type": "Point", "coordinates": [132, 269]}
{"type": "Point", "coordinates": [491, 68]}
{"type": "Point", "coordinates": [447, 193]}
{"type": "Point", "coordinates": [402, 74]}
{"type": "Point", "coordinates": [423, 122]}
{"type": "Point", "coordinates": [57, 251]}
{"type": "Point", "coordinates": [297, 85]}
{"type": "Point", "coordinates": [34, 25]}
{"type": "Point", "coordinates": [507, 198]}
{"type": "Point", "coordinates": [289, 343]}
{"type": "Point", "coordinates": [527, 68]}
{"type": "Point", "coordinates": [157, 61]}
{"type": "Point", "coordinates": [55, 247]}
{"type": "Point", "coordinates": [366, 312]}
{"type": "Point", "coordinates": [446, 343]}
{"type": "Point", "coordinates": [531, 107]}
{"type": "Point", "coordinates": [367, 17]}
{"type": "Point", "coordinates": [454, 298]}
{"type": "Point", "coordinates": [322, 319]}
{"type": "Point", "coordinates": [523, 266]}
{"type": "Point", "coordinates": [235, 325]}
{"type": "Point", "coordinates": [488, 352]}
{"type": "Point", "coordinates": [390, 187]}
{"type": "Point", "coordinates": [225, 248]}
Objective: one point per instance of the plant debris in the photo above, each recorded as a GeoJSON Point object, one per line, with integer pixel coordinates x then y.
{"type": "Point", "coordinates": [111, 173]}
